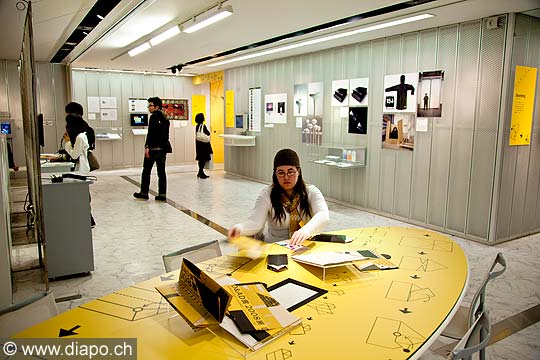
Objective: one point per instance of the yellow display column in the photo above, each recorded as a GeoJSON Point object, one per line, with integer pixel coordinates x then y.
{"type": "Point", "coordinates": [216, 118]}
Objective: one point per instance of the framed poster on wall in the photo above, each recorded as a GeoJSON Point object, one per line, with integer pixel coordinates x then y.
{"type": "Point", "coordinates": [400, 93]}
{"type": "Point", "coordinates": [175, 109]}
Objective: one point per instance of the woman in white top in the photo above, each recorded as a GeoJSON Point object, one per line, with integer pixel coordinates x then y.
{"type": "Point", "coordinates": [76, 143]}
{"type": "Point", "coordinates": [291, 208]}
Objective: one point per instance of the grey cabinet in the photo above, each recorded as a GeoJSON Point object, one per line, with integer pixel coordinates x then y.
{"type": "Point", "coordinates": [68, 234]}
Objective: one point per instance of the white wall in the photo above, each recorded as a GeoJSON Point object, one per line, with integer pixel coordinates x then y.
{"type": "Point", "coordinates": [129, 151]}
{"type": "Point", "coordinates": [447, 182]}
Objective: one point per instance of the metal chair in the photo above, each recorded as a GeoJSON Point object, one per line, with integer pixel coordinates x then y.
{"type": "Point", "coordinates": [465, 317]}
{"type": "Point", "coordinates": [195, 254]}
{"type": "Point", "coordinates": [474, 340]}
{"type": "Point", "coordinates": [17, 317]}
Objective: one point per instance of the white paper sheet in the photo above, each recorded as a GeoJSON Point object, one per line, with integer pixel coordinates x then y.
{"type": "Point", "coordinates": [109, 114]}
{"type": "Point", "coordinates": [291, 294]}
{"type": "Point", "coordinates": [421, 124]}
{"type": "Point", "coordinates": [108, 102]}
{"type": "Point", "coordinates": [254, 114]}
{"type": "Point", "coordinates": [93, 104]}
{"type": "Point", "coordinates": [138, 105]}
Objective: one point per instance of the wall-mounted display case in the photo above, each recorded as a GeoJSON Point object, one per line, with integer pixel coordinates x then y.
{"type": "Point", "coordinates": [340, 147]}
{"type": "Point", "coordinates": [340, 157]}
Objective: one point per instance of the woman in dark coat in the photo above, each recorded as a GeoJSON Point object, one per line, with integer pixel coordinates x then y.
{"type": "Point", "coordinates": [203, 149]}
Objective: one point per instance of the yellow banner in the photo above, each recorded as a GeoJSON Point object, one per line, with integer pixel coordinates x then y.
{"type": "Point", "coordinates": [207, 78]}
{"type": "Point", "coordinates": [522, 105]}
{"type": "Point", "coordinates": [229, 108]}
{"type": "Point", "coordinates": [198, 105]}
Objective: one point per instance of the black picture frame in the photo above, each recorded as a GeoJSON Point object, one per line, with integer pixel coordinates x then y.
{"type": "Point", "coordinates": [318, 291]}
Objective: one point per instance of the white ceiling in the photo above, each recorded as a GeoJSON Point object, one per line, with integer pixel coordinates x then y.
{"type": "Point", "coordinates": [253, 20]}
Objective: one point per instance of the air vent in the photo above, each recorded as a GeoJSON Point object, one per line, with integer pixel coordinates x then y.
{"type": "Point", "coordinates": [90, 21]}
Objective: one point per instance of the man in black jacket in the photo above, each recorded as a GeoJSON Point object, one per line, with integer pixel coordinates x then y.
{"type": "Point", "coordinates": [157, 146]}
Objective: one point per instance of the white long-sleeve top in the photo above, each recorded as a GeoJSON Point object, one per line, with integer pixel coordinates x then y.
{"type": "Point", "coordinates": [263, 213]}
{"type": "Point", "coordinates": [79, 151]}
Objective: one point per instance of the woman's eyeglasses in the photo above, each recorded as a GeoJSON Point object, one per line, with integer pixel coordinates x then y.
{"type": "Point", "coordinates": [289, 173]}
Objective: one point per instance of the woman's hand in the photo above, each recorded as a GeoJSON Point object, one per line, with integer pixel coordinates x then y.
{"type": "Point", "coordinates": [298, 237]}
{"type": "Point", "coordinates": [233, 232]}
{"type": "Point", "coordinates": [147, 153]}
{"type": "Point", "coordinates": [65, 137]}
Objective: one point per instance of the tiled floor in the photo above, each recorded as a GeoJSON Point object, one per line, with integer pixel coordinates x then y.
{"type": "Point", "coordinates": [132, 235]}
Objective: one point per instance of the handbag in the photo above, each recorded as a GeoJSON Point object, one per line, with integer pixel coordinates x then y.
{"type": "Point", "coordinates": [209, 165]}
{"type": "Point", "coordinates": [92, 161]}
{"type": "Point", "coordinates": [201, 136]}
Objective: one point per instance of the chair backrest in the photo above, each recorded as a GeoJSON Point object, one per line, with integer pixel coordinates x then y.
{"type": "Point", "coordinates": [195, 254]}
{"type": "Point", "coordinates": [17, 317]}
{"type": "Point", "coordinates": [477, 304]}
{"type": "Point", "coordinates": [475, 340]}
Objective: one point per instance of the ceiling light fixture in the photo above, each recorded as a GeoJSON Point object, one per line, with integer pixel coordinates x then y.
{"type": "Point", "coordinates": [207, 18]}
{"type": "Point", "coordinates": [100, 17]}
{"type": "Point", "coordinates": [134, 72]}
{"type": "Point", "coordinates": [324, 38]}
{"type": "Point", "coordinates": [139, 49]}
{"type": "Point", "coordinates": [165, 35]}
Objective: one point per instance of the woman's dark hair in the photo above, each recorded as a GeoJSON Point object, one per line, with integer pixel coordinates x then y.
{"type": "Point", "coordinates": [199, 118]}
{"type": "Point", "coordinates": [74, 108]}
{"type": "Point", "coordinates": [277, 190]}
{"type": "Point", "coordinates": [74, 126]}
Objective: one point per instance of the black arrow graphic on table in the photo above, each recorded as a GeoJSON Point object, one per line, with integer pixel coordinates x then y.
{"type": "Point", "coordinates": [165, 278]}
{"type": "Point", "coordinates": [64, 332]}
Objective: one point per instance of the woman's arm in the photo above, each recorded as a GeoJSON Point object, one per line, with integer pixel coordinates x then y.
{"type": "Point", "coordinates": [206, 131]}
{"type": "Point", "coordinates": [80, 147]}
{"type": "Point", "coordinates": [257, 219]}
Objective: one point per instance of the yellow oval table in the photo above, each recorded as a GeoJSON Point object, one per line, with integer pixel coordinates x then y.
{"type": "Point", "coordinates": [378, 314]}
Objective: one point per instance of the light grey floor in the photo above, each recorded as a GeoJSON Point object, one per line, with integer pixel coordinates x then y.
{"type": "Point", "coordinates": [132, 235]}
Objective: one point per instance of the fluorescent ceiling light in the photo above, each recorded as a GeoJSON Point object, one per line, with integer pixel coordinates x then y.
{"type": "Point", "coordinates": [207, 18]}
{"type": "Point", "coordinates": [134, 72]}
{"type": "Point", "coordinates": [100, 17]}
{"type": "Point", "coordinates": [139, 49]}
{"type": "Point", "coordinates": [165, 35]}
{"type": "Point", "coordinates": [324, 38]}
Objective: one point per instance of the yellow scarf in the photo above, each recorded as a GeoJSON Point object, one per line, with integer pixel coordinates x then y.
{"type": "Point", "coordinates": [291, 206]}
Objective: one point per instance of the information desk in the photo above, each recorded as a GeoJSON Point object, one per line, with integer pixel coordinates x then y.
{"type": "Point", "coordinates": [388, 314]}
{"type": "Point", "coordinates": [57, 167]}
